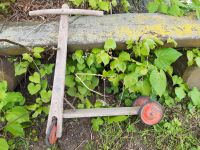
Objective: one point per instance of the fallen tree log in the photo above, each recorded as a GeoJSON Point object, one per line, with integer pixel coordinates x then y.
{"type": "Point", "coordinates": [89, 31]}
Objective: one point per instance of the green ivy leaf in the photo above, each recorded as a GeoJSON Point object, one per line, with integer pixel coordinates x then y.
{"type": "Point", "coordinates": [172, 41]}
{"type": "Point", "coordinates": [3, 89]}
{"type": "Point", "coordinates": [33, 107]}
{"type": "Point", "coordinates": [90, 60]}
{"type": "Point", "coordinates": [33, 88]}
{"type": "Point", "coordinates": [38, 50]}
{"type": "Point", "coordinates": [158, 81]}
{"type": "Point", "coordinates": [37, 112]}
{"type": "Point", "coordinates": [124, 56]}
{"type": "Point", "coordinates": [18, 114]}
{"type": "Point", "coordinates": [130, 79]}
{"type": "Point", "coordinates": [45, 109]}
{"type": "Point", "coordinates": [35, 78]}
{"type": "Point", "coordinates": [15, 129]}
{"type": "Point", "coordinates": [190, 56]}
{"type": "Point", "coordinates": [69, 81]}
{"type": "Point", "coordinates": [177, 80]}
{"type": "Point", "coordinates": [117, 119]}
{"type": "Point", "coordinates": [95, 82]}
{"type": "Point", "coordinates": [98, 104]}
{"type": "Point", "coordinates": [110, 44]}
{"type": "Point", "coordinates": [27, 57]}
{"type": "Point", "coordinates": [126, 5]}
{"type": "Point", "coordinates": [37, 55]}
{"type": "Point", "coordinates": [163, 7]}
{"type": "Point", "coordinates": [21, 67]}
{"type": "Point", "coordinates": [88, 104]}
{"type": "Point", "coordinates": [180, 93]}
{"type": "Point", "coordinates": [83, 90]}
{"type": "Point", "coordinates": [103, 5]}
{"type": "Point", "coordinates": [144, 87]}
{"type": "Point", "coordinates": [77, 2]}
{"type": "Point", "coordinates": [114, 3]}
{"type": "Point", "coordinates": [44, 84]}
{"type": "Point", "coordinates": [3, 86]}
{"type": "Point", "coordinates": [3, 144]}
{"type": "Point", "coordinates": [165, 57]}
{"type": "Point", "coordinates": [80, 67]}
{"type": "Point", "coordinates": [49, 68]}
{"type": "Point", "coordinates": [96, 123]}
{"type": "Point", "coordinates": [70, 69]}
{"type": "Point", "coordinates": [80, 106]}
{"type": "Point", "coordinates": [78, 55]}
{"type": "Point", "coordinates": [93, 3]}
{"type": "Point", "coordinates": [45, 96]}
{"type": "Point", "coordinates": [153, 6]}
{"type": "Point", "coordinates": [195, 96]}
{"type": "Point", "coordinates": [197, 60]}
{"type": "Point", "coordinates": [72, 91]}
{"type": "Point", "coordinates": [11, 99]}
{"type": "Point", "coordinates": [174, 10]}
{"type": "Point", "coordinates": [118, 65]}
{"type": "Point", "coordinates": [103, 57]}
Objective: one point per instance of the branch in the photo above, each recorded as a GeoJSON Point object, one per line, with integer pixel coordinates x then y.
{"type": "Point", "coordinates": [15, 43]}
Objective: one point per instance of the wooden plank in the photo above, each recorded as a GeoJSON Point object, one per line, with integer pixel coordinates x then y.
{"type": "Point", "coordinates": [97, 112]}
{"type": "Point", "coordinates": [56, 108]}
{"type": "Point", "coordinates": [65, 12]}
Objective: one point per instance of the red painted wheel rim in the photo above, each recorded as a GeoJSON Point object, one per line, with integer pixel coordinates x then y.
{"type": "Point", "coordinates": [141, 101]}
{"type": "Point", "coordinates": [52, 136]}
{"type": "Point", "coordinates": [151, 113]}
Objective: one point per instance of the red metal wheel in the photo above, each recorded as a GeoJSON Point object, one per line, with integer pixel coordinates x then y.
{"type": "Point", "coordinates": [51, 135]}
{"type": "Point", "coordinates": [141, 101]}
{"type": "Point", "coordinates": [151, 113]}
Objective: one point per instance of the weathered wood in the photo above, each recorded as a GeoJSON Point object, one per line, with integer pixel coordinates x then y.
{"type": "Point", "coordinates": [89, 31]}
{"type": "Point", "coordinates": [65, 12]}
{"type": "Point", "coordinates": [56, 108]}
{"type": "Point", "coordinates": [98, 112]}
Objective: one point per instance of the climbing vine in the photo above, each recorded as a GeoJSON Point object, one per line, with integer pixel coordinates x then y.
{"type": "Point", "coordinates": [104, 5]}
{"type": "Point", "coordinates": [143, 68]}
{"type": "Point", "coordinates": [174, 7]}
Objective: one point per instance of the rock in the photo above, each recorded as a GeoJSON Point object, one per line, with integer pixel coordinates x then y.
{"type": "Point", "coordinates": [7, 72]}
{"type": "Point", "coordinates": [192, 77]}
{"type": "Point", "coordinates": [86, 32]}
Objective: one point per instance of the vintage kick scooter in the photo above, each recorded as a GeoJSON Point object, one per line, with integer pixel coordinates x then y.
{"type": "Point", "coordinates": [150, 112]}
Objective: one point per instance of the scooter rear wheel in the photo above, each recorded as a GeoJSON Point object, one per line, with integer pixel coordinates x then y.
{"type": "Point", "coordinates": [151, 113]}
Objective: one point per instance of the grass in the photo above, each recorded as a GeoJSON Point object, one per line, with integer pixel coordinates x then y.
{"type": "Point", "coordinates": [179, 130]}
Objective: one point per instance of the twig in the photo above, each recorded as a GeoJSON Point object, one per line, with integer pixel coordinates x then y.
{"type": "Point", "coordinates": [69, 103]}
{"type": "Point", "coordinates": [92, 74]}
{"type": "Point", "coordinates": [81, 144]}
{"type": "Point", "coordinates": [104, 89]}
{"type": "Point", "coordinates": [15, 43]}
{"type": "Point", "coordinates": [88, 87]}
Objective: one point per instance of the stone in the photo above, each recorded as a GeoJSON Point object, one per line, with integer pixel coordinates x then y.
{"type": "Point", "coordinates": [192, 77]}
{"type": "Point", "coordinates": [89, 31]}
{"type": "Point", "coordinates": [7, 73]}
